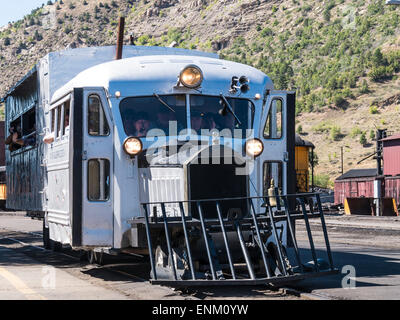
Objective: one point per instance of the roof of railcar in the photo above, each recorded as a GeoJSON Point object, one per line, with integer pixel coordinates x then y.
{"type": "Point", "coordinates": [66, 64]}
{"type": "Point", "coordinates": [160, 73]}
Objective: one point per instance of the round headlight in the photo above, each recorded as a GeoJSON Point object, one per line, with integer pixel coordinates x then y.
{"type": "Point", "coordinates": [191, 77]}
{"type": "Point", "coordinates": [254, 147]}
{"type": "Point", "coordinates": [133, 146]}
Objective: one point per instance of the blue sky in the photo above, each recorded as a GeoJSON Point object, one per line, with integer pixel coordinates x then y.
{"type": "Point", "coordinates": [13, 10]}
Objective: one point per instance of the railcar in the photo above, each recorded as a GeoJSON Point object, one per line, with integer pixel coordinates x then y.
{"type": "Point", "coordinates": [170, 153]}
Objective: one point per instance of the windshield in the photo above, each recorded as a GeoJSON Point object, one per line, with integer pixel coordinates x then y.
{"type": "Point", "coordinates": [210, 113]}
{"type": "Point", "coordinates": [141, 114]}
{"type": "Point", "coordinates": [207, 113]}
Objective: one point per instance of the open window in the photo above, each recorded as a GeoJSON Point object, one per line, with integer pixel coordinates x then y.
{"type": "Point", "coordinates": [66, 117]}
{"type": "Point", "coordinates": [60, 119]}
{"type": "Point", "coordinates": [25, 127]}
{"type": "Point", "coordinates": [29, 122]}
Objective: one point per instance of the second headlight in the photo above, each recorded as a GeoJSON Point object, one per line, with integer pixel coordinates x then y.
{"type": "Point", "coordinates": [254, 147]}
{"type": "Point", "coordinates": [133, 146]}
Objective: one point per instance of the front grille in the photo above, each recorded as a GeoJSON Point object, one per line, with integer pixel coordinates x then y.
{"type": "Point", "coordinates": [216, 181]}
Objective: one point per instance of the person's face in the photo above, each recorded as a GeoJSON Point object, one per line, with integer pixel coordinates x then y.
{"type": "Point", "coordinates": [196, 123]}
{"type": "Point", "coordinates": [142, 126]}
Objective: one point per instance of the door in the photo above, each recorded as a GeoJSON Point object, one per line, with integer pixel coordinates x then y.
{"type": "Point", "coordinates": [276, 165]}
{"type": "Point", "coordinates": [277, 132]}
{"type": "Point", "coordinates": [94, 169]}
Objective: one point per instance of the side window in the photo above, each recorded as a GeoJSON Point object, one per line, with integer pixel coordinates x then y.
{"type": "Point", "coordinates": [273, 126]}
{"type": "Point", "coordinates": [66, 117]}
{"type": "Point", "coordinates": [29, 122]}
{"type": "Point", "coordinates": [59, 122]}
{"type": "Point", "coordinates": [60, 119]}
{"type": "Point", "coordinates": [98, 180]}
{"type": "Point", "coordinates": [272, 173]}
{"type": "Point", "coordinates": [22, 131]}
{"type": "Point", "coordinates": [97, 121]}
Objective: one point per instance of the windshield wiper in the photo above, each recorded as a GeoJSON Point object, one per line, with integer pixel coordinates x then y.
{"type": "Point", "coordinates": [163, 102]}
{"type": "Point", "coordinates": [229, 107]}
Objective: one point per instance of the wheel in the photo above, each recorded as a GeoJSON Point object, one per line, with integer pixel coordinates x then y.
{"type": "Point", "coordinates": [99, 258]}
{"type": "Point", "coordinates": [91, 257]}
{"type": "Point", "coordinates": [46, 236]}
{"type": "Point", "coordinates": [95, 257]}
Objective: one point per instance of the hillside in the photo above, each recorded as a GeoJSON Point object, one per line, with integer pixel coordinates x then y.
{"type": "Point", "coordinates": [342, 56]}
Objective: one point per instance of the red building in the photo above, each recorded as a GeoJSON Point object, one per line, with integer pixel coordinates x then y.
{"type": "Point", "coordinates": [355, 183]}
{"type": "Point", "coordinates": [391, 155]}
{"type": "Point", "coordinates": [359, 189]}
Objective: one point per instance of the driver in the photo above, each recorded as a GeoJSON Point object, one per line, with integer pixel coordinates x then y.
{"type": "Point", "coordinates": [142, 124]}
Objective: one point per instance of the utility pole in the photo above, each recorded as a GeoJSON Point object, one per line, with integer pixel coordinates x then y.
{"type": "Point", "coordinates": [341, 155]}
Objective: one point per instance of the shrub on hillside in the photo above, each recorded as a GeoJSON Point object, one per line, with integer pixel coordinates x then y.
{"type": "Point", "coordinates": [363, 139]}
{"type": "Point", "coordinates": [373, 110]}
{"type": "Point", "coordinates": [355, 132]}
{"type": "Point", "coordinates": [299, 129]}
{"type": "Point", "coordinates": [372, 134]}
{"type": "Point", "coordinates": [323, 181]}
{"type": "Point", "coordinates": [339, 100]}
{"type": "Point", "coordinates": [335, 133]}
{"type": "Point", "coordinates": [380, 73]}
{"type": "Point", "coordinates": [364, 87]}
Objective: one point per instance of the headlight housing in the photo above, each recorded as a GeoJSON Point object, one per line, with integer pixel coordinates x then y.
{"type": "Point", "coordinates": [254, 147]}
{"type": "Point", "coordinates": [133, 146]}
{"type": "Point", "coordinates": [191, 76]}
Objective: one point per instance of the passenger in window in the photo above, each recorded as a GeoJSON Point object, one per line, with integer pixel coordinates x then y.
{"type": "Point", "coordinates": [142, 125]}
{"type": "Point", "coordinates": [29, 140]}
{"type": "Point", "coordinates": [15, 133]}
{"type": "Point", "coordinates": [66, 123]}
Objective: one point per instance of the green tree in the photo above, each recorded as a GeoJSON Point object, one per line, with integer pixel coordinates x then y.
{"type": "Point", "coordinates": [37, 36]}
{"type": "Point", "coordinates": [372, 134]}
{"type": "Point", "coordinates": [335, 133]}
{"type": "Point", "coordinates": [364, 87]}
{"type": "Point", "coordinates": [363, 139]}
{"type": "Point", "coordinates": [377, 58]}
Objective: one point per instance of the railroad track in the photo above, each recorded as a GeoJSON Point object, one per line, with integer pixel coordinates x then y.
{"type": "Point", "coordinates": [126, 271]}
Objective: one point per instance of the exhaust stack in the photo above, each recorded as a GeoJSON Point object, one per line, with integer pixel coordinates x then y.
{"type": "Point", "coordinates": [120, 40]}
